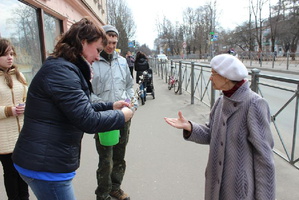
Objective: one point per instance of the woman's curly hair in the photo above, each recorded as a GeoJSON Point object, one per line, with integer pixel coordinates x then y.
{"type": "Point", "coordinates": [70, 44]}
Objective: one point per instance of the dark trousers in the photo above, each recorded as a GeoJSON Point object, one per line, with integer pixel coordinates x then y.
{"type": "Point", "coordinates": [131, 70]}
{"type": "Point", "coordinates": [16, 188]}
{"type": "Point", "coordinates": [112, 164]}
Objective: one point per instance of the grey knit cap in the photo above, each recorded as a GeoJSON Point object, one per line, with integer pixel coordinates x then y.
{"type": "Point", "coordinates": [110, 28]}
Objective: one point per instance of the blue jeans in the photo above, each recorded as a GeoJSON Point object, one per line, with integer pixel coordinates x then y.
{"type": "Point", "coordinates": [51, 190]}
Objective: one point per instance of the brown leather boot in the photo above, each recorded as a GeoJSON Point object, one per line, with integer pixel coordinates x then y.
{"type": "Point", "coordinates": [119, 195]}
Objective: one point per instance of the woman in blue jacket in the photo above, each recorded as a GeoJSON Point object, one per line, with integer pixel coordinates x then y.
{"type": "Point", "coordinates": [58, 112]}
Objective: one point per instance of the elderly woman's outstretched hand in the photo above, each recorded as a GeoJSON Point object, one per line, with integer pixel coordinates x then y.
{"type": "Point", "coordinates": [180, 123]}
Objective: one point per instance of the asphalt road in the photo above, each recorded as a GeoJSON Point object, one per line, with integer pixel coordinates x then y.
{"type": "Point", "coordinates": [160, 164]}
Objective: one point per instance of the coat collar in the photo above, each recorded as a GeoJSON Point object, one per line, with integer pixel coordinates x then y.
{"type": "Point", "coordinates": [85, 68]}
{"type": "Point", "coordinates": [240, 94]}
{"type": "Point", "coordinates": [233, 103]}
{"type": "Point", "coordinates": [11, 71]}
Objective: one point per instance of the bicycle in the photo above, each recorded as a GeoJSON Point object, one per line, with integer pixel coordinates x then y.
{"type": "Point", "coordinates": [173, 82]}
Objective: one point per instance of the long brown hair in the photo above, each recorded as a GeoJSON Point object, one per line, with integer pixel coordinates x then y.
{"type": "Point", "coordinates": [70, 44]}
{"type": "Point", "coordinates": [140, 54]}
{"type": "Point", "coordinates": [5, 47]}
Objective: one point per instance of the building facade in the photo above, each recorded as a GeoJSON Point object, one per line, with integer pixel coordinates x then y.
{"type": "Point", "coordinates": [33, 26]}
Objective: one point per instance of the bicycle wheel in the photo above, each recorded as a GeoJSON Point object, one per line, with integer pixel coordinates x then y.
{"type": "Point", "coordinates": [169, 83]}
{"type": "Point", "coordinates": [176, 86]}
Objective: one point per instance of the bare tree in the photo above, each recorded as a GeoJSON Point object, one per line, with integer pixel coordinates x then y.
{"type": "Point", "coordinates": [165, 36]}
{"type": "Point", "coordinates": [25, 35]}
{"type": "Point", "coordinates": [206, 24]}
{"type": "Point", "coordinates": [178, 39]}
{"type": "Point", "coordinates": [293, 21]}
{"type": "Point", "coordinates": [145, 49]}
{"type": "Point", "coordinates": [282, 27]}
{"type": "Point", "coordinates": [274, 22]}
{"type": "Point", "coordinates": [288, 31]}
{"type": "Point", "coordinates": [189, 21]}
{"type": "Point", "coordinates": [256, 8]}
{"type": "Point", "coordinates": [120, 16]}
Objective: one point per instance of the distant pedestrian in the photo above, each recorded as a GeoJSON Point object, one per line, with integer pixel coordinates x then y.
{"type": "Point", "coordinates": [260, 55]}
{"type": "Point", "coordinates": [241, 163]}
{"type": "Point", "coordinates": [141, 64]}
{"type": "Point", "coordinates": [130, 60]}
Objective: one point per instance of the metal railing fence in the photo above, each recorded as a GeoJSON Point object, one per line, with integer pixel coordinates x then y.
{"type": "Point", "coordinates": [287, 61]}
{"type": "Point", "coordinates": [194, 78]}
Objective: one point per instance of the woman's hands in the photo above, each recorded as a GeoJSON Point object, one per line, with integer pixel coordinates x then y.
{"type": "Point", "coordinates": [128, 113]}
{"type": "Point", "coordinates": [20, 108]}
{"type": "Point", "coordinates": [118, 105]}
{"type": "Point", "coordinates": [180, 123]}
{"type": "Point", "coordinates": [16, 110]}
{"type": "Point", "coordinates": [125, 107]}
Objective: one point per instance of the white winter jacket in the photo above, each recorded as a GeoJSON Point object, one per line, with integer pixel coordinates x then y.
{"type": "Point", "coordinates": [10, 126]}
{"type": "Point", "coordinates": [112, 81]}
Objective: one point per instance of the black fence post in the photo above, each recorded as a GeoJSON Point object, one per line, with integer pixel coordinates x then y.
{"type": "Point", "coordinates": [192, 83]}
{"type": "Point", "coordinates": [180, 77]}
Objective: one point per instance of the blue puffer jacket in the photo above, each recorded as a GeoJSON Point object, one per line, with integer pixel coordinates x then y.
{"type": "Point", "coordinates": [58, 112]}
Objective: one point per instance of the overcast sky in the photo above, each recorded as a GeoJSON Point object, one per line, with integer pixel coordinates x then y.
{"type": "Point", "coordinates": [230, 14]}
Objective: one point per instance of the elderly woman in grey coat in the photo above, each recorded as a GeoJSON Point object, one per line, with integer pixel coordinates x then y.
{"type": "Point", "coordinates": [241, 163]}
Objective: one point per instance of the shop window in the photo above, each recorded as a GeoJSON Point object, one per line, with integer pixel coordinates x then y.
{"type": "Point", "coordinates": [18, 23]}
{"type": "Point", "coordinates": [53, 30]}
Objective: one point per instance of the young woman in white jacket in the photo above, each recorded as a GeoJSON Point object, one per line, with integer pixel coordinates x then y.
{"type": "Point", "coordinates": [13, 90]}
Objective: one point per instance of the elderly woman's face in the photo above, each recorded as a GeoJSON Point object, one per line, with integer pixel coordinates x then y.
{"type": "Point", "coordinates": [219, 82]}
{"type": "Point", "coordinates": [91, 51]}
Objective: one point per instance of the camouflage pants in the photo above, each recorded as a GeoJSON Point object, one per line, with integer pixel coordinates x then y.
{"type": "Point", "coordinates": [112, 165]}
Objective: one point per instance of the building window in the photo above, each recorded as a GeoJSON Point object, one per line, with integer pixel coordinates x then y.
{"type": "Point", "coordinates": [53, 31]}
{"type": "Point", "coordinates": [19, 24]}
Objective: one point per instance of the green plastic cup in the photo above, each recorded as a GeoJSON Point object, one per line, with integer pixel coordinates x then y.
{"type": "Point", "coordinates": [109, 138]}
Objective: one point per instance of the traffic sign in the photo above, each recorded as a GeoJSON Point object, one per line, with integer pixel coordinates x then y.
{"type": "Point", "coordinates": [130, 44]}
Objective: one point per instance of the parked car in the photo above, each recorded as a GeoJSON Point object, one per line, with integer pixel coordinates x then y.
{"type": "Point", "coordinates": [162, 58]}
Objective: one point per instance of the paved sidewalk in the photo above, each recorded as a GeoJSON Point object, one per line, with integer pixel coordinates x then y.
{"type": "Point", "coordinates": [160, 164]}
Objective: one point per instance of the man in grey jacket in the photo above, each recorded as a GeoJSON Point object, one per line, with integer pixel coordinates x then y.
{"type": "Point", "coordinates": [112, 81]}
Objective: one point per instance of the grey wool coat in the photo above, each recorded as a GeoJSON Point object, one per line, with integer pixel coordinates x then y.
{"type": "Point", "coordinates": [240, 164]}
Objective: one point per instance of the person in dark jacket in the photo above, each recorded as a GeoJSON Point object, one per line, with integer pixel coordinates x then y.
{"type": "Point", "coordinates": [130, 60]}
{"type": "Point", "coordinates": [140, 65]}
{"type": "Point", "coordinates": [58, 112]}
